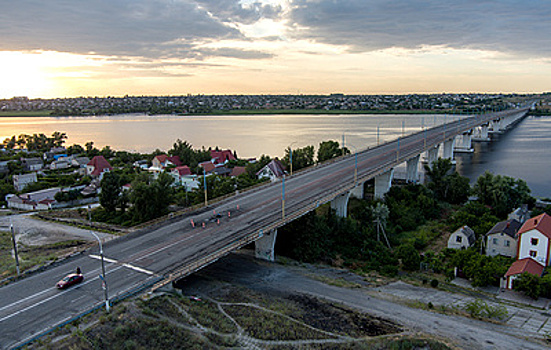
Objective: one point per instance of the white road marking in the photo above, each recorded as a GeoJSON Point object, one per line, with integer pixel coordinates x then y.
{"type": "Point", "coordinates": [49, 298]}
{"type": "Point", "coordinates": [135, 268]}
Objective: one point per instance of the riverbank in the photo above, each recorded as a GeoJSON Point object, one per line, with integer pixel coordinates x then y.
{"type": "Point", "coordinates": [50, 113]}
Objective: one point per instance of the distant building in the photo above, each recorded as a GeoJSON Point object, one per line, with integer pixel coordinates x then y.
{"type": "Point", "coordinates": [22, 181]}
{"type": "Point", "coordinates": [32, 164]}
{"type": "Point", "coordinates": [222, 157]}
{"type": "Point", "coordinates": [39, 200]}
{"type": "Point", "coordinates": [462, 238]}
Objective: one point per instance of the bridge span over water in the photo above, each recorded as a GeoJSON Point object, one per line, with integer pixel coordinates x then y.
{"type": "Point", "coordinates": [156, 256]}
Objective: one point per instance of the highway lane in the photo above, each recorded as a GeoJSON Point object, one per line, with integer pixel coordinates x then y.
{"type": "Point", "coordinates": [32, 305]}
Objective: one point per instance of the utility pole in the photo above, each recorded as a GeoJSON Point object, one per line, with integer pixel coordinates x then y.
{"type": "Point", "coordinates": [283, 198]}
{"type": "Point", "coordinates": [205, 185]}
{"type": "Point", "coordinates": [102, 276]}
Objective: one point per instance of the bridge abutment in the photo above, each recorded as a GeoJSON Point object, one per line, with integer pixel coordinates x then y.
{"type": "Point", "coordinates": [466, 144]}
{"type": "Point", "coordinates": [264, 247]}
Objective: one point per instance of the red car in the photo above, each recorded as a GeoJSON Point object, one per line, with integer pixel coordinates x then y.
{"type": "Point", "coordinates": [69, 280]}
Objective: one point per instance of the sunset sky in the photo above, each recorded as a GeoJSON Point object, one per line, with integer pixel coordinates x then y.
{"type": "Point", "coordinates": [67, 48]}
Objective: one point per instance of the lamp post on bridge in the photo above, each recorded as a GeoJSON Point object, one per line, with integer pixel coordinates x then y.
{"type": "Point", "coordinates": [283, 197]}
{"type": "Point", "coordinates": [205, 185]}
{"type": "Point", "coordinates": [291, 157]}
{"type": "Point", "coordinates": [102, 276]}
{"type": "Point", "coordinates": [355, 163]}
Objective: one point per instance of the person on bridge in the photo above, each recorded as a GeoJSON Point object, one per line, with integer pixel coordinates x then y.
{"type": "Point", "coordinates": [79, 272]}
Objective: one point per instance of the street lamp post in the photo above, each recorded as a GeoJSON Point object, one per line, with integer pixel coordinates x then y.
{"type": "Point", "coordinates": [355, 163]}
{"type": "Point", "coordinates": [15, 248]}
{"type": "Point", "coordinates": [283, 197]}
{"type": "Point", "coordinates": [102, 276]}
{"type": "Point", "coordinates": [205, 185]}
{"type": "Point", "coordinates": [291, 156]}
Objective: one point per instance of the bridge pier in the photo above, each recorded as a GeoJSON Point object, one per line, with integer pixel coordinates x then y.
{"type": "Point", "coordinates": [495, 126]}
{"type": "Point", "coordinates": [340, 204]}
{"type": "Point", "coordinates": [358, 191]}
{"type": "Point", "coordinates": [481, 133]}
{"type": "Point", "coordinates": [432, 154]}
{"type": "Point", "coordinates": [412, 166]}
{"type": "Point", "coordinates": [465, 145]}
{"type": "Point", "coordinates": [264, 247]}
{"type": "Point", "coordinates": [448, 149]}
{"type": "Point", "coordinates": [383, 183]}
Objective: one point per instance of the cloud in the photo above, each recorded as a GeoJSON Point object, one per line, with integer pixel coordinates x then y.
{"type": "Point", "coordinates": [148, 28]}
{"type": "Point", "coordinates": [234, 11]}
{"type": "Point", "coordinates": [514, 27]}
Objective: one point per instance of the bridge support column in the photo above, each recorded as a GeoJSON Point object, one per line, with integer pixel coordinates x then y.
{"type": "Point", "coordinates": [481, 133]}
{"type": "Point", "coordinates": [383, 183]}
{"type": "Point", "coordinates": [448, 149]}
{"type": "Point", "coordinates": [264, 247]}
{"type": "Point", "coordinates": [432, 154]}
{"type": "Point", "coordinates": [495, 126]}
{"type": "Point", "coordinates": [412, 166]}
{"type": "Point", "coordinates": [340, 204]}
{"type": "Point", "coordinates": [466, 143]}
{"type": "Point", "coordinates": [358, 191]}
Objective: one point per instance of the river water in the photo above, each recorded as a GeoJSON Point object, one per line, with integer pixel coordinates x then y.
{"type": "Point", "coordinates": [521, 152]}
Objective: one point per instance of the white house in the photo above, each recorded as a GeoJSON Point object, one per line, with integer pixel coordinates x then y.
{"type": "Point", "coordinates": [534, 239]}
{"type": "Point", "coordinates": [273, 170]}
{"type": "Point", "coordinates": [463, 237]}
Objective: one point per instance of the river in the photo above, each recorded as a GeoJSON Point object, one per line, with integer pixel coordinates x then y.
{"type": "Point", "coordinates": [521, 152]}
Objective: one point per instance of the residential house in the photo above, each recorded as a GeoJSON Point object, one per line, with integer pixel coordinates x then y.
{"type": "Point", "coordinates": [39, 200]}
{"type": "Point", "coordinates": [162, 161]}
{"type": "Point", "coordinates": [4, 166]}
{"type": "Point", "coordinates": [208, 167]}
{"type": "Point", "coordinates": [22, 181]}
{"type": "Point", "coordinates": [502, 239]}
{"type": "Point", "coordinates": [183, 176]}
{"type": "Point", "coordinates": [238, 170]}
{"type": "Point", "coordinates": [98, 166]}
{"type": "Point", "coordinates": [32, 164]}
{"type": "Point", "coordinates": [61, 163]}
{"type": "Point", "coordinates": [53, 152]}
{"type": "Point", "coordinates": [273, 170]}
{"type": "Point", "coordinates": [528, 265]}
{"type": "Point", "coordinates": [80, 162]}
{"type": "Point", "coordinates": [535, 239]}
{"type": "Point", "coordinates": [142, 164]}
{"type": "Point", "coordinates": [521, 214]}
{"type": "Point", "coordinates": [462, 238]}
{"type": "Point", "coordinates": [222, 157]}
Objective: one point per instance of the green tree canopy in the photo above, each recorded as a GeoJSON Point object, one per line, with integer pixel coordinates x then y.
{"type": "Point", "coordinates": [330, 149]}
{"type": "Point", "coordinates": [502, 193]}
{"type": "Point", "coordinates": [302, 157]}
{"type": "Point", "coordinates": [447, 184]}
{"type": "Point", "coordinates": [110, 191]}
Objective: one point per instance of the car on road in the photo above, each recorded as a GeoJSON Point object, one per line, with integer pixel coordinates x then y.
{"type": "Point", "coordinates": [69, 280]}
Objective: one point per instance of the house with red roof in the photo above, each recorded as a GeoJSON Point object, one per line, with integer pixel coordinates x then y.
{"type": "Point", "coordinates": [98, 166]}
{"type": "Point", "coordinates": [222, 157]}
{"type": "Point", "coordinates": [527, 265]}
{"type": "Point", "coordinates": [162, 161]}
{"type": "Point", "coordinates": [273, 170]}
{"type": "Point", "coordinates": [535, 239]}
{"type": "Point", "coordinates": [534, 244]}
{"type": "Point", "coordinates": [182, 176]}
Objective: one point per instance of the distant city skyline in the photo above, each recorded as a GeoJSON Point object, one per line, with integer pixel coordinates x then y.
{"type": "Point", "coordinates": [64, 48]}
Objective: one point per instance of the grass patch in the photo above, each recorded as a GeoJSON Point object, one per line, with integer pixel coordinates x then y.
{"type": "Point", "coordinates": [207, 314]}
{"type": "Point", "coordinates": [394, 343]}
{"type": "Point", "coordinates": [44, 113]}
{"type": "Point", "coordinates": [271, 326]}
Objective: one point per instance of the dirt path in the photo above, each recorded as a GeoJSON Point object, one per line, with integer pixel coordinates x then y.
{"type": "Point", "coordinates": [464, 332]}
{"type": "Point", "coordinates": [32, 231]}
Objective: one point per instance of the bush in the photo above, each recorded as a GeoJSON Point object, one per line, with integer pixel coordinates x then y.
{"type": "Point", "coordinates": [434, 283]}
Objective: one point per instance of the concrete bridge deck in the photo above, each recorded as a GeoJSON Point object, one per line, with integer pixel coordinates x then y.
{"type": "Point", "coordinates": [155, 257]}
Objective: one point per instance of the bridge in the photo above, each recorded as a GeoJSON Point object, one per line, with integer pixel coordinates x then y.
{"type": "Point", "coordinates": [154, 257]}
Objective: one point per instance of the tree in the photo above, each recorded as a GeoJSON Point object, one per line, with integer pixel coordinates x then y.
{"type": "Point", "coordinates": [58, 139]}
{"type": "Point", "coordinates": [75, 149]}
{"type": "Point", "coordinates": [446, 184]}
{"type": "Point", "coordinates": [409, 256]}
{"type": "Point", "coordinates": [110, 191]}
{"type": "Point", "coordinates": [302, 157]}
{"type": "Point", "coordinates": [529, 284]}
{"type": "Point", "coordinates": [502, 193]}
{"type": "Point", "coordinates": [330, 149]}
{"type": "Point", "coordinates": [150, 199]}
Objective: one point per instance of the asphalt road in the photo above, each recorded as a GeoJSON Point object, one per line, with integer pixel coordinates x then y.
{"type": "Point", "coordinates": [32, 305]}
